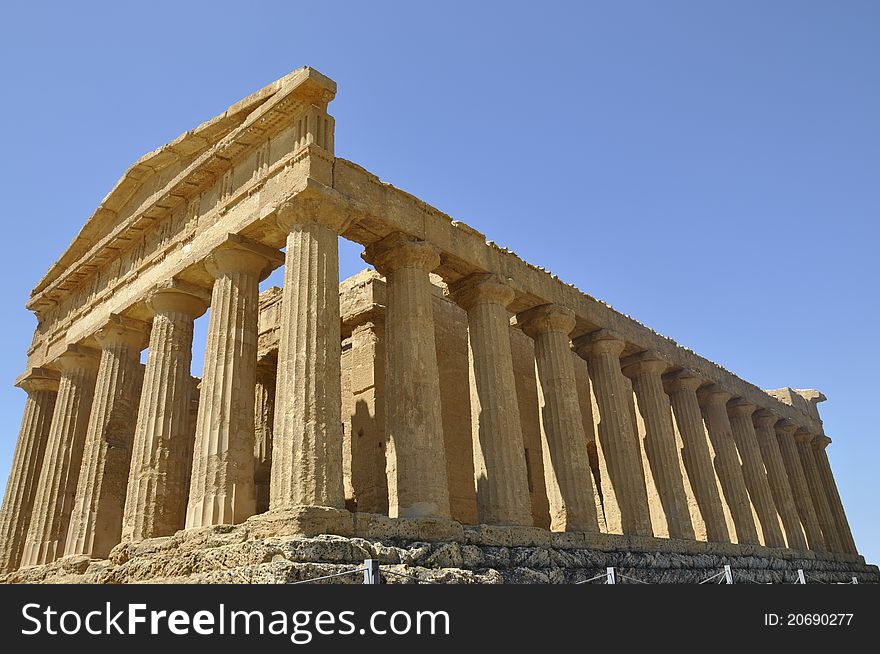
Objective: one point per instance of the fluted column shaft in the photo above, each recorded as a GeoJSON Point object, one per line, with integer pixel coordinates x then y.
{"type": "Point", "coordinates": [222, 483]}
{"type": "Point", "coordinates": [777, 477]}
{"type": "Point", "coordinates": [844, 533]}
{"type": "Point", "coordinates": [264, 417]}
{"type": "Point", "coordinates": [796, 478]}
{"type": "Point", "coordinates": [53, 501]}
{"type": "Point", "coordinates": [727, 463]}
{"type": "Point", "coordinates": [155, 503]}
{"type": "Point", "coordinates": [695, 453]}
{"type": "Point", "coordinates": [416, 459]}
{"type": "Point", "coordinates": [754, 474]}
{"type": "Point", "coordinates": [617, 435]}
{"type": "Point", "coordinates": [804, 441]}
{"type": "Point", "coordinates": [307, 445]}
{"type": "Point", "coordinates": [499, 459]}
{"type": "Point", "coordinates": [659, 441]}
{"type": "Point", "coordinates": [96, 522]}
{"type": "Point", "coordinates": [41, 387]}
{"type": "Point", "coordinates": [567, 472]}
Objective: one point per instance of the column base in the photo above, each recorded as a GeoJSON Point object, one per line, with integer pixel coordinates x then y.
{"type": "Point", "coordinates": [304, 521]}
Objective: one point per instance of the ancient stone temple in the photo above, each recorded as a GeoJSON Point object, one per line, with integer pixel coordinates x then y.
{"type": "Point", "coordinates": [454, 409]}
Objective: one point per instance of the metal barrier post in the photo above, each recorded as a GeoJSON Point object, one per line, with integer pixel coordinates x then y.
{"type": "Point", "coordinates": [728, 575]}
{"type": "Point", "coordinates": [371, 571]}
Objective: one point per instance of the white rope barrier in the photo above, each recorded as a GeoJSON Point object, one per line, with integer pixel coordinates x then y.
{"type": "Point", "coordinates": [338, 574]}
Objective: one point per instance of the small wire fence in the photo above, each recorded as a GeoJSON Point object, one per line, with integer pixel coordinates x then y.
{"type": "Point", "coordinates": [374, 573]}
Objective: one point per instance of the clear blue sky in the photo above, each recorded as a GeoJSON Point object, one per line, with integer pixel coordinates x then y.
{"type": "Point", "coordinates": [708, 167]}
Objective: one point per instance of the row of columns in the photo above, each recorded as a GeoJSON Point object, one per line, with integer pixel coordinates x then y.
{"type": "Point", "coordinates": [96, 473]}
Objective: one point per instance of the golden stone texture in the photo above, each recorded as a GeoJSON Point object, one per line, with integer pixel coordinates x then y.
{"type": "Point", "coordinates": [402, 403]}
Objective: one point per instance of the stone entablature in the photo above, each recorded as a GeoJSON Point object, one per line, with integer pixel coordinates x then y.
{"type": "Point", "coordinates": [581, 419]}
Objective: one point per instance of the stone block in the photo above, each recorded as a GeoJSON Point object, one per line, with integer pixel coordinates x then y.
{"type": "Point", "coordinates": [302, 521]}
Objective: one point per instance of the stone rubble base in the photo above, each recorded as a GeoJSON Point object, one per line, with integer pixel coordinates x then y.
{"type": "Point", "coordinates": [278, 548]}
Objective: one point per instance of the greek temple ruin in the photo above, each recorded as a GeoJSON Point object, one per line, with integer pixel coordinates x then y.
{"type": "Point", "coordinates": [451, 393]}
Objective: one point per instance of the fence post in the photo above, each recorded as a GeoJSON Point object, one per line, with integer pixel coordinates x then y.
{"type": "Point", "coordinates": [801, 578]}
{"type": "Point", "coordinates": [611, 578]}
{"type": "Point", "coordinates": [728, 575]}
{"type": "Point", "coordinates": [371, 571]}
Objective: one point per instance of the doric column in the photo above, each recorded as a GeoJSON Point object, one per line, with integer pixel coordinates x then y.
{"type": "Point", "coordinates": [804, 441]}
{"type": "Point", "coordinates": [567, 473]}
{"type": "Point", "coordinates": [307, 440]}
{"type": "Point", "coordinates": [645, 370]}
{"type": "Point", "coordinates": [713, 401]}
{"type": "Point", "coordinates": [53, 501]}
{"type": "Point", "coordinates": [222, 483]}
{"type": "Point", "coordinates": [264, 418]}
{"type": "Point", "coordinates": [844, 534]}
{"type": "Point", "coordinates": [499, 460]}
{"type": "Point", "coordinates": [791, 460]}
{"type": "Point", "coordinates": [743, 429]}
{"type": "Point", "coordinates": [96, 522]}
{"type": "Point", "coordinates": [617, 436]}
{"type": "Point", "coordinates": [155, 503]}
{"type": "Point", "coordinates": [682, 387]}
{"type": "Point", "coordinates": [417, 481]}
{"type": "Point", "coordinates": [41, 386]}
{"type": "Point", "coordinates": [777, 477]}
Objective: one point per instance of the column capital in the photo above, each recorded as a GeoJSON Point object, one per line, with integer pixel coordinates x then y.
{"type": "Point", "coordinates": [399, 250]}
{"type": "Point", "coordinates": [481, 288]}
{"type": "Point", "coordinates": [765, 418]}
{"type": "Point", "coordinates": [786, 427]}
{"type": "Point", "coordinates": [821, 441]}
{"type": "Point", "coordinates": [38, 379]}
{"type": "Point", "coordinates": [120, 329]}
{"type": "Point", "coordinates": [740, 407]}
{"type": "Point", "coordinates": [714, 395]}
{"type": "Point", "coordinates": [684, 379]}
{"type": "Point", "coordinates": [77, 357]}
{"type": "Point", "coordinates": [238, 254]}
{"type": "Point", "coordinates": [311, 208]}
{"type": "Point", "coordinates": [648, 361]}
{"type": "Point", "coordinates": [179, 297]}
{"type": "Point", "coordinates": [602, 341]}
{"type": "Point", "coordinates": [545, 319]}
{"type": "Point", "coordinates": [802, 435]}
